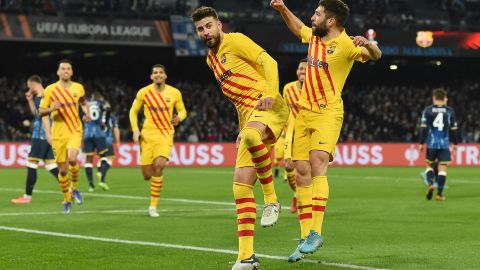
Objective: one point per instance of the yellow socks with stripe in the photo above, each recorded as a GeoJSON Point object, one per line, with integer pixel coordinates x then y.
{"type": "Point", "coordinates": [246, 216]}
{"type": "Point", "coordinates": [320, 198]}
{"type": "Point", "coordinates": [290, 175]}
{"type": "Point", "coordinates": [74, 175]}
{"type": "Point", "coordinates": [156, 184]}
{"type": "Point", "coordinates": [262, 160]}
{"type": "Point", "coordinates": [63, 181]}
{"type": "Point", "coordinates": [304, 203]}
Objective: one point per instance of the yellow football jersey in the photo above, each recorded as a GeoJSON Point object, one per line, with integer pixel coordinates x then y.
{"type": "Point", "coordinates": [66, 120]}
{"type": "Point", "coordinates": [241, 79]}
{"type": "Point", "coordinates": [158, 109]}
{"type": "Point", "coordinates": [291, 95]}
{"type": "Point", "coordinates": [328, 65]}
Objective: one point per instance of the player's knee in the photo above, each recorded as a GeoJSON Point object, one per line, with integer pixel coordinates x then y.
{"type": "Point", "coordinates": [63, 172]}
{"type": "Point", "coordinates": [289, 167]}
{"type": "Point", "coordinates": [251, 136]}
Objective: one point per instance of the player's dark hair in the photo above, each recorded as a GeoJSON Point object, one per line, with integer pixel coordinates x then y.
{"type": "Point", "coordinates": [336, 9]}
{"type": "Point", "coordinates": [303, 60]}
{"type": "Point", "coordinates": [159, 66]}
{"type": "Point", "coordinates": [65, 61]}
{"type": "Point", "coordinates": [35, 78]}
{"type": "Point", "coordinates": [203, 12]}
{"type": "Point", "coordinates": [439, 94]}
{"type": "Point", "coordinates": [97, 96]}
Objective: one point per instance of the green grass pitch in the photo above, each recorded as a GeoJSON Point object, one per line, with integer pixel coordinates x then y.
{"type": "Point", "coordinates": [377, 218]}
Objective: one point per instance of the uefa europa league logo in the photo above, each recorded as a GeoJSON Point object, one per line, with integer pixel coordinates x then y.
{"type": "Point", "coordinates": [411, 154]}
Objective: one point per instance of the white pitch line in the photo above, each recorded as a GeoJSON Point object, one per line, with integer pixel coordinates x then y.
{"type": "Point", "coordinates": [110, 212]}
{"type": "Point", "coordinates": [144, 243]}
{"type": "Point", "coordinates": [340, 176]}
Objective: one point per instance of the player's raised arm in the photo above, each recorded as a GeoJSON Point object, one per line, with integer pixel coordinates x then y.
{"type": "Point", "coordinates": [29, 95]}
{"type": "Point", "coordinates": [293, 22]}
{"type": "Point", "coordinates": [84, 104]}
{"type": "Point", "coordinates": [270, 68]}
{"type": "Point", "coordinates": [370, 50]}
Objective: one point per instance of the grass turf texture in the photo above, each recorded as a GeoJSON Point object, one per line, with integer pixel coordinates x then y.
{"type": "Point", "coordinates": [376, 217]}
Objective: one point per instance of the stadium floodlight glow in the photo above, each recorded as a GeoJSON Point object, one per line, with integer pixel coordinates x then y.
{"type": "Point", "coordinates": [45, 54]}
{"type": "Point", "coordinates": [89, 54]}
{"type": "Point", "coordinates": [67, 52]}
{"type": "Point", "coordinates": [438, 63]}
{"type": "Point", "coordinates": [393, 67]}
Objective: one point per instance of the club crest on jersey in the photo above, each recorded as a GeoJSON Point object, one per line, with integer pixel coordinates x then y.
{"type": "Point", "coordinates": [74, 94]}
{"type": "Point", "coordinates": [331, 49]}
{"type": "Point", "coordinates": [223, 59]}
{"type": "Point", "coordinates": [167, 99]}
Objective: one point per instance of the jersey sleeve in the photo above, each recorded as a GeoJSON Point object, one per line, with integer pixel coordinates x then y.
{"type": "Point", "coordinates": [136, 107]}
{"type": "Point", "coordinates": [246, 48]}
{"type": "Point", "coordinates": [47, 98]}
{"type": "Point", "coordinates": [351, 51]}
{"type": "Point", "coordinates": [81, 92]}
{"type": "Point", "coordinates": [285, 95]}
{"type": "Point", "coordinates": [305, 34]}
{"type": "Point", "coordinates": [180, 107]}
{"type": "Point", "coordinates": [453, 121]}
{"type": "Point", "coordinates": [423, 120]}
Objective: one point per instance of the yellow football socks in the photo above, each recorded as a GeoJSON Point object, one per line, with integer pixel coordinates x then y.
{"type": "Point", "coordinates": [246, 215]}
{"type": "Point", "coordinates": [319, 201]}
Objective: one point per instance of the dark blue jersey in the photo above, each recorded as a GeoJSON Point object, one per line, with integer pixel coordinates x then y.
{"type": "Point", "coordinates": [111, 125]}
{"type": "Point", "coordinates": [436, 125]}
{"type": "Point", "coordinates": [94, 129]}
{"type": "Point", "coordinates": [38, 131]}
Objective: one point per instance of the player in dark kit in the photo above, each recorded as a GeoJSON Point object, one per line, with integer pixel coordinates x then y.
{"type": "Point", "coordinates": [94, 139]}
{"type": "Point", "coordinates": [40, 149]}
{"type": "Point", "coordinates": [113, 136]}
{"type": "Point", "coordinates": [439, 128]}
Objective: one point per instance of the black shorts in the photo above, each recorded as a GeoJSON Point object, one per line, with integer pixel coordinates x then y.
{"type": "Point", "coordinates": [111, 151]}
{"type": "Point", "coordinates": [96, 143]}
{"type": "Point", "coordinates": [40, 150]}
{"type": "Point", "coordinates": [441, 155]}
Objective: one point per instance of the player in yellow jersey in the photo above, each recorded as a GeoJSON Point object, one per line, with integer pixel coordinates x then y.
{"type": "Point", "coordinates": [156, 138]}
{"type": "Point", "coordinates": [248, 77]}
{"type": "Point", "coordinates": [278, 151]}
{"type": "Point", "coordinates": [330, 58]}
{"type": "Point", "coordinates": [61, 99]}
{"type": "Point", "coordinates": [291, 95]}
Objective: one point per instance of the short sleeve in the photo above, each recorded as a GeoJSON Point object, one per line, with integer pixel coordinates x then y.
{"type": "Point", "coordinates": [81, 91]}
{"type": "Point", "coordinates": [47, 99]}
{"type": "Point", "coordinates": [245, 48]}
{"type": "Point", "coordinates": [305, 34]}
{"type": "Point", "coordinates": [353, 52]}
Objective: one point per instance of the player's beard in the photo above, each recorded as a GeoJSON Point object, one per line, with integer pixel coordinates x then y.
{"type": "Point", "coordinates": [215, 43]}
{"type": "Point", "coordinates": [321, 30]}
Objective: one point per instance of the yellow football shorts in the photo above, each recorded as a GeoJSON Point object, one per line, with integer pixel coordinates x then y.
{"type": "Point", "coordinates": [274, 119]}
{"type": "Point", "coordinates": [61, 145]}
{"type": "Point", "coordinates": [153, 145]}
{"type": "Point", "coordinates": [279, 148]}
{"type": "Point", "coordinates": [316, 131]}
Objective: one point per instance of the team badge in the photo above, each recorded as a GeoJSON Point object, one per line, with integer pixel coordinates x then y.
{"type": "Point", "coordinates": [74, 94]}
{"type": "Point", "coordinates": [424, 39]}
{"type": "Point", "coordinates": [223, 59]}
{"type": "Point", "coordinates": [331, 49]}
{"type": "Point", "coordinates": [167, 99]}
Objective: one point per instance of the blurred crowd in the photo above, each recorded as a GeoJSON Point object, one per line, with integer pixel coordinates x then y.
{"type": "Point", "coordinates": [396, 14]}
{"type": "Point", "coordinates": [373, 113]}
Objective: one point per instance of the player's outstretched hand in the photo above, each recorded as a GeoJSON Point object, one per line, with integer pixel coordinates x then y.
{"type": "Point", "coordinates": [420, 148]}
{"type": "Point", "coordinates": [175, 120]}
{"type": "Point", "coordinates": [265, 104]}
{"type": "Point", "coordinates": [277, 4]}
{"type": "Point", "coordinates": [29, 95]}
{"type": "Point", "coordinates": [359, 41]}
{"type": "Point", "coordinates": [136, 136]}
{"type": "Point", "coordinates": [86, 118]}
